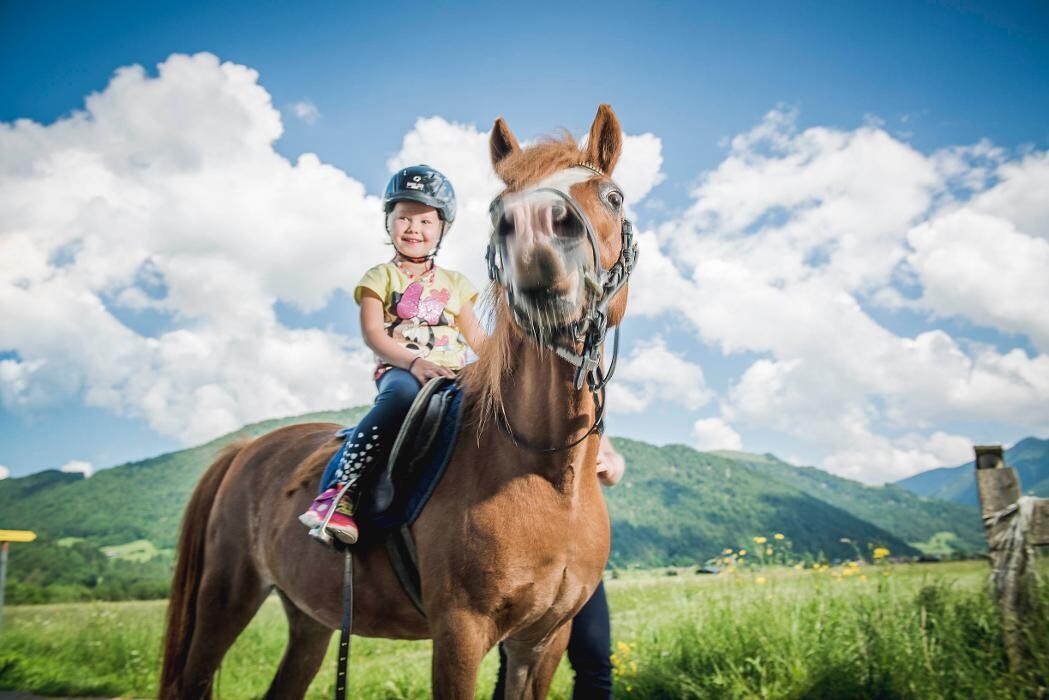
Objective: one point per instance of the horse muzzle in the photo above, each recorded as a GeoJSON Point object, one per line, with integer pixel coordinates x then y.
{"type": "Point", "coordinates": [546, 256]}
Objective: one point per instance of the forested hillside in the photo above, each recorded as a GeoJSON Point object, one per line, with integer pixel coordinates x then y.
{"type": "Point", "coordinates": [113, 535]}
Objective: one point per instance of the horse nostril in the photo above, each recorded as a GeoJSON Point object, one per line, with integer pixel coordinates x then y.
{"type": "Point", "coordinates": [504, 226]}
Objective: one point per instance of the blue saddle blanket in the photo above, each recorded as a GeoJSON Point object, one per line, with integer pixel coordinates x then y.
{"type": "Point", "coordinates": [417, 466]}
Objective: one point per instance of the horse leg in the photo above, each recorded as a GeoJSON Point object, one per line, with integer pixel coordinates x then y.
{"type": "Point", "coordinates": [307, 644]}
{"type": "Point", "coordinates": [226, 602]}
{"type": "Point", "coordinates": [530, 667]}
{"type": "Point", "coordinates": [460, 641]}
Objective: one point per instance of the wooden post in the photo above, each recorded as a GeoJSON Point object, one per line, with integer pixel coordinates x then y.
{"type": "Point", "coordinates": [3, 579]}
{"type": "Point", "coordinates": [1014, 524]}
{"type": "Point", "coordinates": [6, 537]}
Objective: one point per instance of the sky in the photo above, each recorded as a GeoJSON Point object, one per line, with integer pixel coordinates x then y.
{"type": "Point", "coordinates": [843, 213]}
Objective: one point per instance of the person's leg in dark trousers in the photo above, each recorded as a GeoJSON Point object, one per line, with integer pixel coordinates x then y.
{"type": "Point", "coordinates": [372, 440]}
{"type": "Point", "coordinates": [589, 651]}
{"type": "Point", "coordinates": [590, 648]}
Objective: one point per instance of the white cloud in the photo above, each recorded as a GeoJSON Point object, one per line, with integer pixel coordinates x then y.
{"type": "Point", "coordinates": [640, 168]}
{"type": "Point", "coordinates": [896, 459]}
{"type": "Point", "coordinates": [791, 237]}
{"type": "Point", "coordinates": [77, 466]}
{"type": "Point", "coordinates": [166, 194]}
{"type": "Point", "coordinates": [652, 372]}
{"type": "Point", "coordinates": [306, 111]}
{"type": "Point", "coordinates": [4, 472]}
{"type": "Point", "coordinates": [715, 434]}
{"type": "Point", "coordinates": [979, 266]}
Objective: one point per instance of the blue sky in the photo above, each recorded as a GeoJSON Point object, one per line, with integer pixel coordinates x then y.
{"type": "Point", "coordinates": [938, 103]}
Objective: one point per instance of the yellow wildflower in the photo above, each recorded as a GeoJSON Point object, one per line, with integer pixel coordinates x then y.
{"type": "Point", "coordinates": [799, 567]}
{"type": "Point", "coordinates": [742, 552]}
{"type": "Point", "coordinates": [761, 580]}
{"type": "Point", "coordinates": [779, 536]}
{"type": "Point", "coordinates": [761, 540]}
{"type": "Point", "coordinates": [728, 551]}
{"type": "Point", "coordinates": [881, 552]}
{"type": "Point", "coordinates": [623, 648]}
{"type": "Point", "coordinates": [768, 551]}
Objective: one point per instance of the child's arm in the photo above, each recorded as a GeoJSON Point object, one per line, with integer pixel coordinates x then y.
{"type": "Point", "coordinates": [388, 349]}
{"type": "Point", "coordinates": [470, 326]}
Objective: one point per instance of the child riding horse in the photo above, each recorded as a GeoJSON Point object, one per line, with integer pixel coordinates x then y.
{"type": "Point", "coordinates": [515, 537]}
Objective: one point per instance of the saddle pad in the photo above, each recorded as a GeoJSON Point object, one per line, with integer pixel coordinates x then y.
{"type": "Point", "coordinates": [417, 462]}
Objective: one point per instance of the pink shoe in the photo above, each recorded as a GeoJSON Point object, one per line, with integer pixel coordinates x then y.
{"type": "Point", "coordinates": [343, 527]}
{"type": "Point", "coordinates": [314, 515]}
{"type": "Point", "coordinates": [341, 523]}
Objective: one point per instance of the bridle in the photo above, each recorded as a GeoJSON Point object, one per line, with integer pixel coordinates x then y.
{"type": "Point", "coordinates": [590, 329]}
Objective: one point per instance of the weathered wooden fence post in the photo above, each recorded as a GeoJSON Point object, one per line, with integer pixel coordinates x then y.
{"type": "Point", "coordinates": [1014, 525]}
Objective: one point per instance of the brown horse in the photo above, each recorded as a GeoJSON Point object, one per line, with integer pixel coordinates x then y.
{"type": "Point", "coordinates": [514, 539]}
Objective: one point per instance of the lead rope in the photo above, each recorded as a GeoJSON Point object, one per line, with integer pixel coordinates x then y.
{"type": "Point", "coordinates": [342, 668]}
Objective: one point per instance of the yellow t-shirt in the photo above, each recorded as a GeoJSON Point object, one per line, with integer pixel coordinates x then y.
{"type": "Point", "coordinates": [421, 313]}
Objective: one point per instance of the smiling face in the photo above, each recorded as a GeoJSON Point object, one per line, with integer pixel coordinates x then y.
{"type": "Point", "coordinates": [415, 228]}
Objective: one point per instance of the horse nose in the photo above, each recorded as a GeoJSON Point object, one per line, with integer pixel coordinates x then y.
{"type": "Point", "coordinates": [538, 219]}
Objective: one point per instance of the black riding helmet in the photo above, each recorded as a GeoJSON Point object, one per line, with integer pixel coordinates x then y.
{"type": "Point", "coordinates": [423, 184]}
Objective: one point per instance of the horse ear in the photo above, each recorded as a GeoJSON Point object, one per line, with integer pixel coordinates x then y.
{"type": "Point", "coordinates": [502, 142]}
{"type": "Point", "coordinates": [605, 142]}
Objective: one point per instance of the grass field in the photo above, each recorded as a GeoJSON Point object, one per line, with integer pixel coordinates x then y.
{"type": "Point", "coordinates": [892, 631]}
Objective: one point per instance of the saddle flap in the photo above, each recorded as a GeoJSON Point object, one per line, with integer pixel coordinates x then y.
{"type": "Point", "coordinates": [413, 451]}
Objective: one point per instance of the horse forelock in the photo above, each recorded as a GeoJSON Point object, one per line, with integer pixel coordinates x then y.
{"type": "Point", "coordinates": [526, 167]}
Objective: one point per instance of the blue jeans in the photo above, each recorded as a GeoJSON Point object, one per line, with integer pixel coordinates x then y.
{"type": "Point", "coordinates": [589, 651]}
{"type": "Point", "coordinates": [373, 438]}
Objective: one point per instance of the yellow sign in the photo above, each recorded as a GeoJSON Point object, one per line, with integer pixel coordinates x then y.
{"type": "Point", "coordinates": [17, 535]}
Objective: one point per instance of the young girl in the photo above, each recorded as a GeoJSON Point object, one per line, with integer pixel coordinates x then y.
{"type": "Point", "coordinates": [415, 316]}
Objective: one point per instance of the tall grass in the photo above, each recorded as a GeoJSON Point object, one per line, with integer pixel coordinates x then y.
{"type": "Point", "coordinates": [903, 631]}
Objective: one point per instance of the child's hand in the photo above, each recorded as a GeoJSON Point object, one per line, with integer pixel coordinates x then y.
{"type": "Point", "coordinates": [424, 370]}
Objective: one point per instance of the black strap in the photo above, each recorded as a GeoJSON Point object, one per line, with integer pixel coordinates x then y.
{"type": "Point", "coordinates": [400, 548]}
{"type": "Point", "coordinates": [342, 668]}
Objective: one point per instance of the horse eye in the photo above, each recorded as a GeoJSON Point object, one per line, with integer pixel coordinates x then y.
{"type": "Point", "coordinates": [615, 199]}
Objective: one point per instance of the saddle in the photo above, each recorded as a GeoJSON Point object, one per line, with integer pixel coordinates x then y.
{"type": "Point", "coordinates": [392, 499]}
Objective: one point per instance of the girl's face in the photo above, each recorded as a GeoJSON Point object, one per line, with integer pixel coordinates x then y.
{"type": "Point", "coordinates": [414, 228]}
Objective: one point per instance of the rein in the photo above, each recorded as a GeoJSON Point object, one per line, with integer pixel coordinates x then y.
{"type": "Point", "coordinates": [590, 329]}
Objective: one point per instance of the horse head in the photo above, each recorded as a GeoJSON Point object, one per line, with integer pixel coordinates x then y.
{"type": "Point", "coordinates": [561, 248]}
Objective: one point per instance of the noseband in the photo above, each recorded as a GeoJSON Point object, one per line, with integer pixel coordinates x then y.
{"type": "Point", "coordinates": [590, 329]}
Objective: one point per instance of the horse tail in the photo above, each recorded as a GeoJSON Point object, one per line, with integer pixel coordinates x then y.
{"type": "Point", "coordinates": [189, 568]}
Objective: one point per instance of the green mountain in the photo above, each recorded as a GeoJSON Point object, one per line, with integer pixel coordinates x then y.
{"type": "Point", "coordinates": [1030, 458]}
{"type": "Point", "coordinates": [892, 508]}
{"type": "Point", "coordinates": [674, 506]}
{"type": "Point", "coordinates": [136, 501]}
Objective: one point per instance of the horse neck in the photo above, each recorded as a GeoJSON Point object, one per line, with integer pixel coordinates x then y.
{"type": "Point", "coordinates": [546, 410]}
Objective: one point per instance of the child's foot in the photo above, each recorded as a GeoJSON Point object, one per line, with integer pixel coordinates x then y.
{"type": "Point", "coordinates": [343, 527]}
{"type": "Point", "coordinates": [314, 515]}
{"type": "Point", "coordinates": [340, 524]}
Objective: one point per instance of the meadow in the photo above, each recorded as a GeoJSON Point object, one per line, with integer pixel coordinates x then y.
{"type": "Point", "coordinates": [849, 631]}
